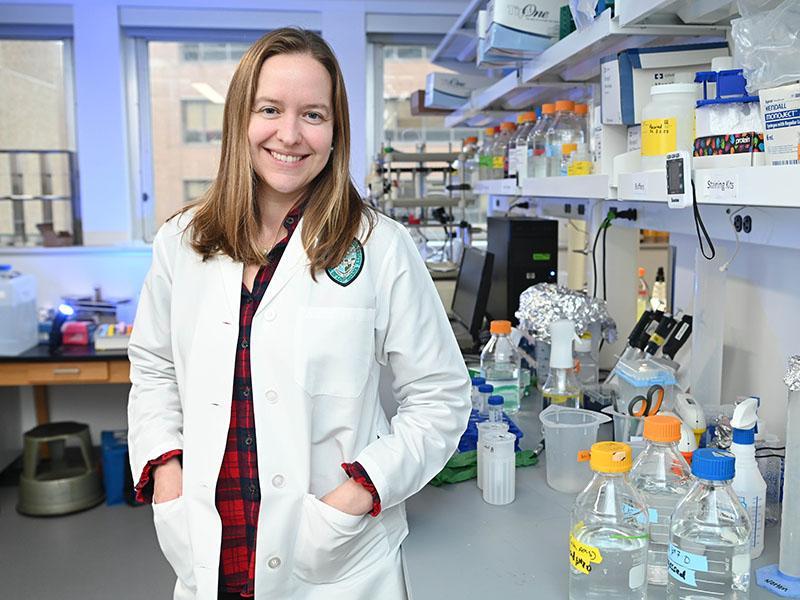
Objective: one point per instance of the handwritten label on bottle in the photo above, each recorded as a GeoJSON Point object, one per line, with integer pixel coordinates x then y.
{"type": "Point", "coordinates": [659, 136]}
{"type": "Point", "coordinates": [581, 556]}
{"type": "Point", "coordinates": [683, 565]}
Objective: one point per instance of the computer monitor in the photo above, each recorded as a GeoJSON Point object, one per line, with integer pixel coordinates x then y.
{"type": "Point", "coordinates": [472, 289]}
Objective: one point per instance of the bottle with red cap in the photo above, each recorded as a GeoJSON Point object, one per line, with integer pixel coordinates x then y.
{"type": "Point", "coordinates": [500, 365]}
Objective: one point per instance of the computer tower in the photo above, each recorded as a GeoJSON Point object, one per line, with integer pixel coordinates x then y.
{"type": "Point", "coordinates": [525, 253]}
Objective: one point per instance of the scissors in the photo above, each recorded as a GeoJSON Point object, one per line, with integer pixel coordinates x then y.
{"type": "Point", "coordinates": [648, 405]}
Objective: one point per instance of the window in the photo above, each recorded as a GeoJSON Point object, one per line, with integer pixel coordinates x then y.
{"type": "Point", "coordinates": [38, 190]}
{"type": "Point", "coordinates": [202, 121]}
{"type": "Point", "coordinates": [213, 52]}
{"type": "Point", "coordinates": [194, 188]}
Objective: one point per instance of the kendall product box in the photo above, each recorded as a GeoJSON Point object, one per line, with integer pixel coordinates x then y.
{"type": "Point", "coordinates": [451, 90]}
{"type": "Point", "coordinates": [626, 78]}
{"type": "Point", "coordinates": [781, 109]}
{"type": "Point", "coordinates": [521, 29]}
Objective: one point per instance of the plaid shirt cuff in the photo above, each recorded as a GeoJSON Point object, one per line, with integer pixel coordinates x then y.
{"type": "Point", "coordinates": [356, 472]}
{"type": "Point", "coordinates": [144, 489]}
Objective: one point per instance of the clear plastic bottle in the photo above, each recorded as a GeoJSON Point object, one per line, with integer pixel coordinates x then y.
{"type": "Point", "coordinates": [663, 477]}
{"type": "Point", "coordinates": [580, 161]}
{"type": "Point", "coordinates": [561, 386]}
{"type": "Point", "coordinates": [476, 397]}
{"type": "Point", "coordinates": [470, 163]}
{"type": "Point", "coordinates": [567, 150]}
{"type": "Point", "coordinates": [565, 129]}
{"type": "Point", "coordinates": [485, 153]}
{"type": "Point", "coordinates": [484, 391]}
{"type": "Point", "coordinates": [588, 369]}
{"type": "Point", "coordinates": [517, 143]}
{"type": "Point", "coordinates": [495, 409]}
{"type": "Point", "coordinates": [582, 117]}
{"type": "Point", "coordinates": [749, 484]}
{"type": "Point", "coordinates": [537, 142]}
{"type": "Point", "coordinates": [500, 365]}
{"type": "Point", "coordinates": [642, 295]}
{"type": "Point", "coordinates": [709, 550]}
{"type": "Point", "coordinates": [500, 150]}
{"type": "Point", "coordinates": [608, 531]}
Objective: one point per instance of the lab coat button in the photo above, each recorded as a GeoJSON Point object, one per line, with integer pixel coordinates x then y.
{"type": "Point", "coordinates": [248, 441]}
{"type": "Point", "coordinates": [244, 344]}
{"type": "Point", "coordinates": [269, 315]}
{"type": "Point", "coordinates": [278, 481]}
{"type": "Point", "coordinates": [274, 562]}
{"type": "Point", "coordinates": [271, 396]}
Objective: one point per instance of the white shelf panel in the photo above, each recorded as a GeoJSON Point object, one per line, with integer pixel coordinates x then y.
{"type": "Point", "coordinates": [579, 187]}
{"type": "Point", "coordinates": [497, 187]}
{"type": "Point", "coordinates": [775, 187]}
{"type": "Point", "coordinates": [636, 12]}
{"type": "Point", "coordinates": [461, 41]}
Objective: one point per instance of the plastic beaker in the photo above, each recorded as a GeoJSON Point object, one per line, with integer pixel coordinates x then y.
{"type": "Point", "coordinates": [567, 431]}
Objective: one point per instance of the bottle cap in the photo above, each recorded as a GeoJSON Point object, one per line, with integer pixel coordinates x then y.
{"type": "Point", "coordinates": [641, 271]}
{"type": "Point", "coordinates": [5, 267]}
{"type": "Point", "coordinates": [495, 401]}
{"type": "Point", "coordinates": [471, 140]}
{"type": "Point", "coordinates": [713, 464]}
{"type": "Point", "coordinates": [478, 380]}
{"type": "Point", "coordinates": [565, 105]}
{"type": "Point", "coordinates": [584, 343]}
{"type": "Point", "coordinates": [520, 119]}
{"type": "Point", "coordinates": [744, 421]}
{"type": "Point", "coordinates": [489, 131]}
{"type": "Point", "coordinates": [486, 388]}
{"type": "Point", "coordinates": [548, 109]}
{"type": "Point", "coordinates": [662, 428]}
{"type": "Point", "coordinates": [507, 126]}
{"type": "Point", "coordinates": [528, 117]}
{"type": "Point", "coordinates": [501, 327]}
{"type": "Point", "coordinates": [581, 109]}
{"type": "Point", "coordinates": [609, 457]}
{"type": "Point", "coordinates": [568, 148]}
{"type": "Point", "coordinates": [561, 335]}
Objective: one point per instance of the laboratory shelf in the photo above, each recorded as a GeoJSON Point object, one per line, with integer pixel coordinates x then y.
{"type": "Point", "coordinates": [497, 187]}
{"type": "Point", "coordinates": [773, 187]}
{"type": "Point", "coordinates": [460, 547]}
{"type": "Point", "coordinates": [461, 42]}
{"type": "Point", "coordinates": [578, 187]}
{"type": "Point", "coordinates": [636, 12]}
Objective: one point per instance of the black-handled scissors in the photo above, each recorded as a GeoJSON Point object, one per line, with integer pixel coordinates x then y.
{"type": "Point", "coordinates": [648, 405]}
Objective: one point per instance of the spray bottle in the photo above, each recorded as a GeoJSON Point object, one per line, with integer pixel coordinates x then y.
{"type": "Point", "coordinates": [561, 386]}
{"type": "Point", "coordinates": [748, 483]}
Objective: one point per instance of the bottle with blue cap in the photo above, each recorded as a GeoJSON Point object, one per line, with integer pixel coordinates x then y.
{"type": "Point", "coordinates": [495, 409]}
{"type": "Point", "coordinates": [748, 483]}
{"type": "Point", "coordinates": [476, 398]}
{"type": "Point", "coordinates": [709, 550]}
{"type": "Point", "coordinates": [484, 391]}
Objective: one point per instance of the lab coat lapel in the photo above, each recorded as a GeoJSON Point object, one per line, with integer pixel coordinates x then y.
{"type": "Point", "coordinates": [231, 273]}
{"type": "Point", "coordinates": [293, 261]}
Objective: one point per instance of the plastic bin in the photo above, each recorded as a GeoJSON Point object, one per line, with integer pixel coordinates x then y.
{"type": "Point", "coordinates": [19, 325]}
{"type": "Point", "coordinates": [567, 431]}
{"type": "Point", "coordinates": [114, 446]}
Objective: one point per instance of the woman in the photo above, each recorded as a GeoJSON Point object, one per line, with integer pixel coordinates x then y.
{"type": "Point", "coordinates": [269, 310]}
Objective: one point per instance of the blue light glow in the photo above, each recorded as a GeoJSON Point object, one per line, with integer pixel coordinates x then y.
{"type": "Point", "coordinates": [66, 309]}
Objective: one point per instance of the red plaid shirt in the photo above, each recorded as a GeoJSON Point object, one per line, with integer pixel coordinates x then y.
{"type": "Point", "coordinates": [238, 493]}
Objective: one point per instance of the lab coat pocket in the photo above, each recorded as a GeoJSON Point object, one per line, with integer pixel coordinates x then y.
{"type": "Point", "coordinates": [332, 545]}
{"type": "Point", "coordinates": [334, 350]}
{"type": "Point", "coordinates": [172, 529]}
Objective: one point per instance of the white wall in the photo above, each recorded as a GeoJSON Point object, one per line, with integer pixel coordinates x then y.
{"type": "Point", "coordinates": [762, 320]}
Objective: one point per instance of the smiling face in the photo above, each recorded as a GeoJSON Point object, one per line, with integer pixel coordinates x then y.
{"type": "Point", "coordinates": [291, 125]}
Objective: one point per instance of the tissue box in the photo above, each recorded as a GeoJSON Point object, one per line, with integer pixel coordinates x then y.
{"type": "Point", "coordinates": [451, 90]}
{"type": "Point", "coordinates": [781, 109]}
{"type": "Point", "coordinates": [626, 78]}
{"type": "Point", "coordinates": [522, 30]}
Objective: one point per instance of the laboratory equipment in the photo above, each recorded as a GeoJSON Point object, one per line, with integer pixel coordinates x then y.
{"type": "Point", "coordinates": [580, 161]}
{"type": "Point", "coordinates": [709, 532]}
{"type": "Point", "coordinates": [495, 409]}
{"type": "Point", "coordinates": [500, 150]}
{"type": "Point", "coordinates": [691, 413]}
{"type": "Point", "coordinates": [642, 295]}
{"type": "Point", "coordinates": [627, 428]}
{"type": "Point", "coordinates": [517, 145]}
{"type": "Point", "coordinates": [565, 129]}
{"type": "Point", "coordinates": [525, 253]}
{"type": "Point", "coordinates": [783, 579]}
{"type": "Point", "coordinates": [668, 122]}
{"type": "Point", "coordinates": [485, 428]}
{"type": "Point", "coordinates": [636, 379]}
{"type": "Point", "coordinates": [472, 291]}
{"type": "Point", "coordinates": [475, 395]}
{"type": "Point", "coordinates": [109, 337]}
{"type": "Point", "coordinates": [680, 192]}
{"type": "Point", "coordinates": [484, 391]}
{"type": "Point", "coordinates": [648, 404]}
{"type": "Point", "coordinates": [537, 143]}
{"type": "Point", "coordinates": [561, 386]}
{"type": "Point", "coordinates": [658, 301]}
{"type": "Point", "coordinates": [663, 477]}
{"type": "Point", "coordinates": [748, 483]}
{"type": "Point", "coordinates": [64, 312]}
{"type": "Point", "coordinates": [567, 431]}
{"type": "Point", "coordinates": [770, 457]}
{"type": "Point", "coordinates": [18, 315]}
{"type": "Point", "coordinates": [566, 155]}
{"type": "Point", "coordinates": [582, 119]}
{"type": "Point", "coordinates": [499, 472]}
{"type": "Point", "coordinates": [485, 153]}
{"type": "Point", "coordinates": [500, 365]}
{"type": "Point", "coordinates": [608, 531]}
{"type": "Point", "coordinates": [588, 368]}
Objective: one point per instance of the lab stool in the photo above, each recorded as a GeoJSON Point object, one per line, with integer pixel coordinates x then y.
{"type": "Point", "coordinates": [62, 484]}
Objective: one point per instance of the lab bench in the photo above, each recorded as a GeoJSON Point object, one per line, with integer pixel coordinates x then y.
{"type": "Point", "coordinates": [461, 547]}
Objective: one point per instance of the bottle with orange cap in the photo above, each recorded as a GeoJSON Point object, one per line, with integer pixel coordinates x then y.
{"type": "Point", "coordinates": [516, 145]}
{"type": "Point", "coordinates": [485, 153]}
{"type": "Point", "coordinates": [500, 149]}
{"type": "Point", "coordinates": [564, 130]}
{"type": "Point", "coordinates": [500, 365]}
{"type": "Point", "coordinates": [663, 477]}
{"type": "Point", "coordinates": [608, 530]}
{"type": "Point", "coordinates": [537, 143]}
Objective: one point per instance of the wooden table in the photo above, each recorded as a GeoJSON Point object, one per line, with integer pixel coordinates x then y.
{"type": "Point", "coordinates": [72, 365]}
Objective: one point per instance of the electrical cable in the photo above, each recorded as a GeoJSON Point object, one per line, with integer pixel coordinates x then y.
{"type": "Point", "coordinates": [698, 223]}
{"type": "Point", "coordinates": [605, 261]}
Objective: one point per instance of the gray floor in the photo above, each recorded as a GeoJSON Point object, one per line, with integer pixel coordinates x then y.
{"type": "Point", "coordinates": [106, 553]}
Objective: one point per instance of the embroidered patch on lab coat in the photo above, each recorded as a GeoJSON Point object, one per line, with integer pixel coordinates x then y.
{"type": "Point", "coordinates": [350, 267]}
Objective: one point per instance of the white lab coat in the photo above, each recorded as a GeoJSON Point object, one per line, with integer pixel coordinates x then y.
{"type": "Point", "coordinates": [316, 352]}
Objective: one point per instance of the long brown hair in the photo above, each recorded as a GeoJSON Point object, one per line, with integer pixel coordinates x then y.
{"type": "Point", "coordinates": [227, 218]}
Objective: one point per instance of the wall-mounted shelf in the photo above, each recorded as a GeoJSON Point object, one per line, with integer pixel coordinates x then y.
{"type": "Point", "coordinates": [579, 187]}
{"type": "Point", "coordinates": [497, 187]}
{"type": "Point", "coordinates": [639, 12]}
